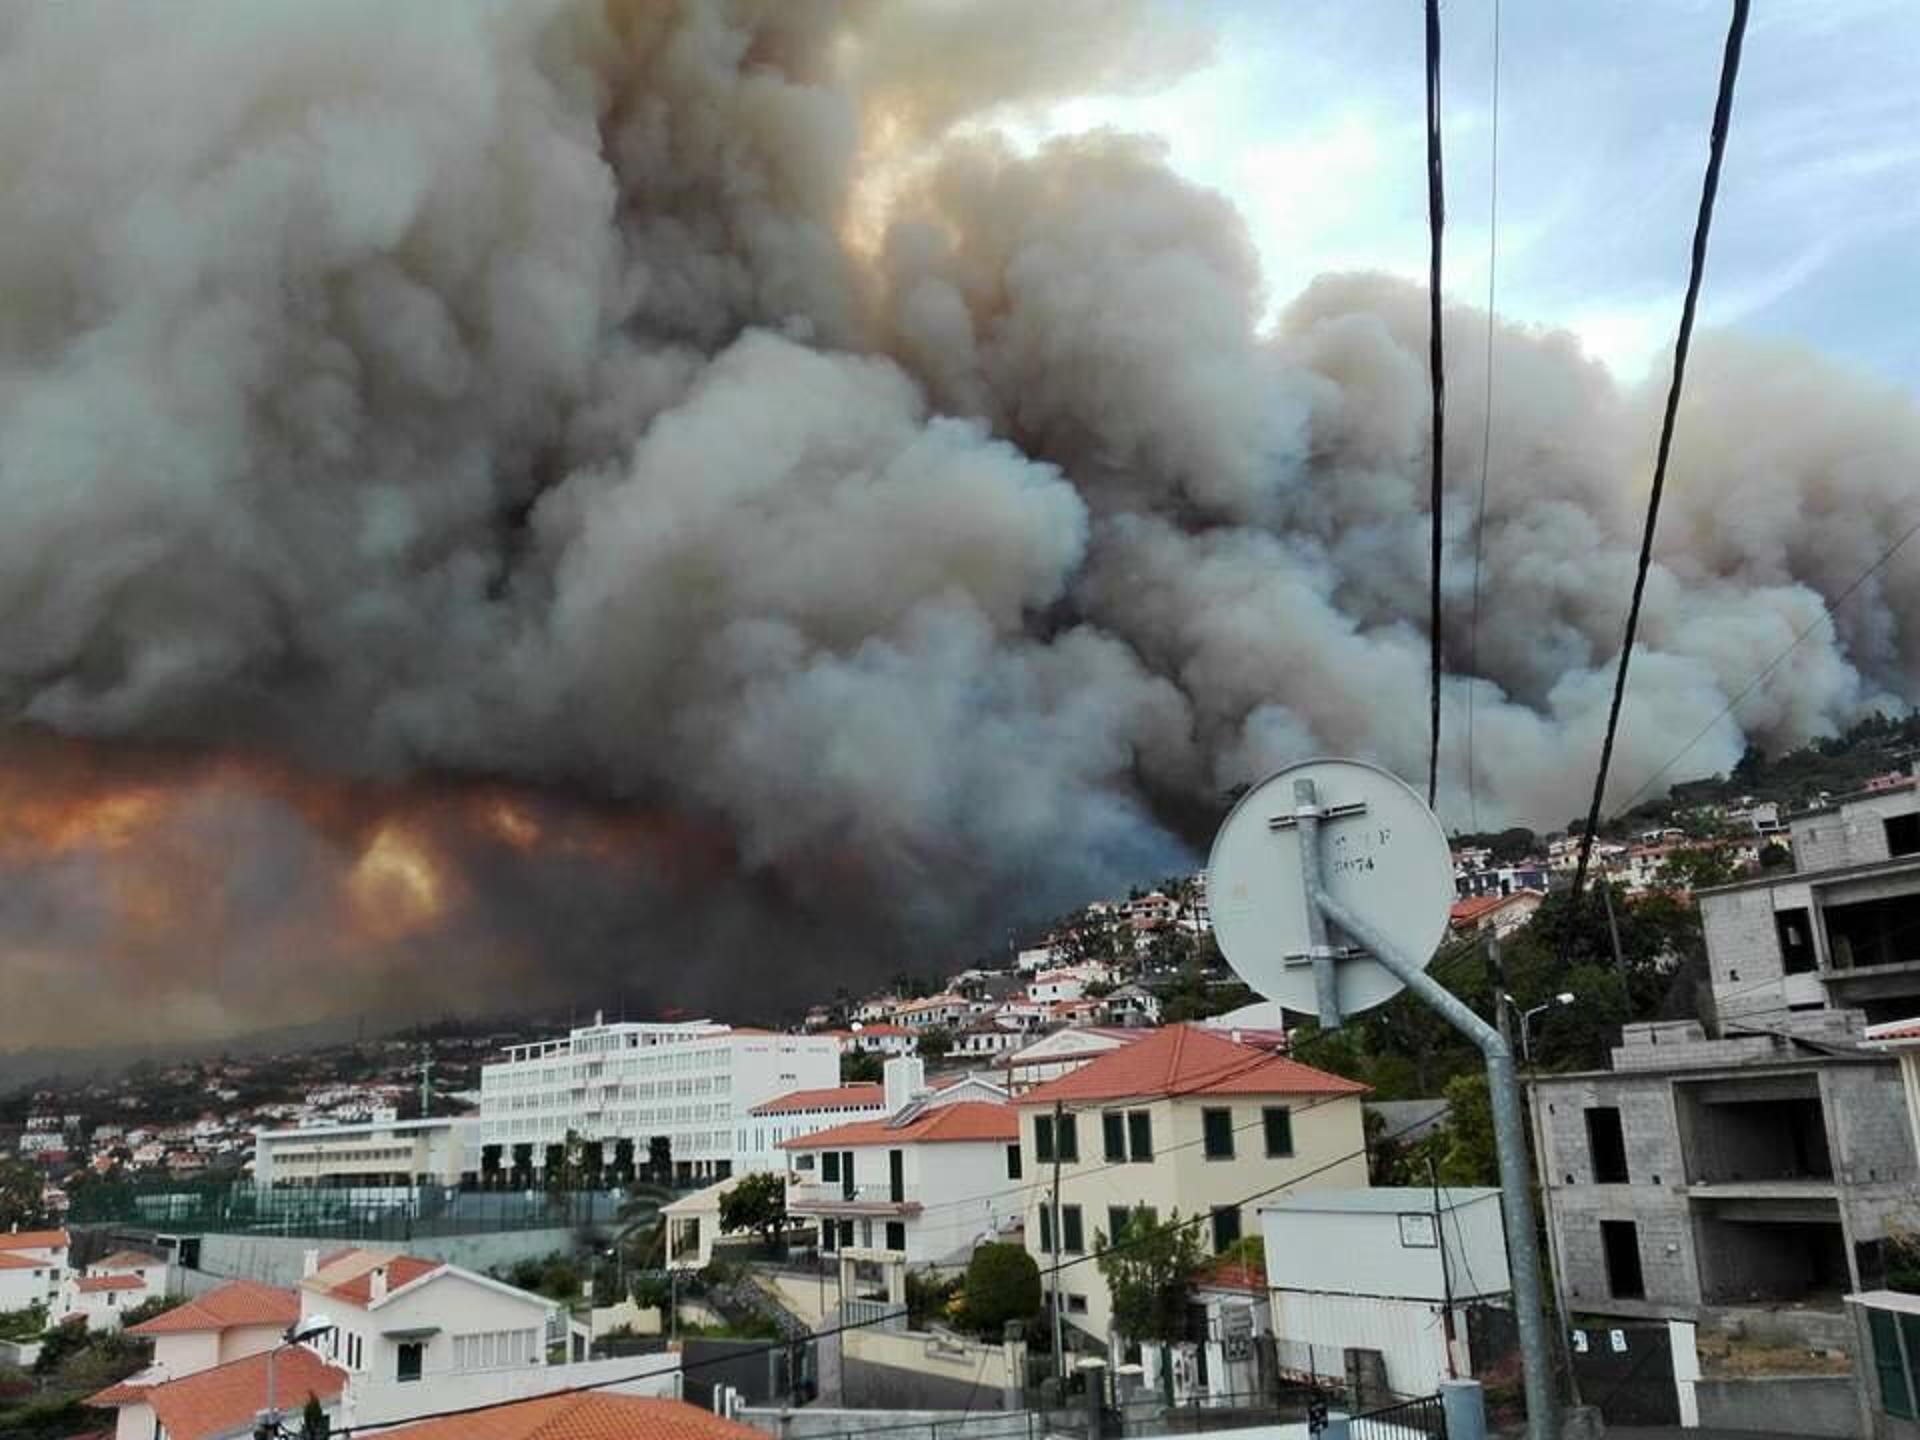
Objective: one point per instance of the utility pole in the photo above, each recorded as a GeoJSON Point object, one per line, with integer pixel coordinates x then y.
{"type": "Point", "coordinates": [1053, 1271]}
{"type": "Point", "coordinates": [1605, 888]}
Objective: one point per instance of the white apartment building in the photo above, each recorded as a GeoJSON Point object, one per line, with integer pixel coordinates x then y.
{"type": "Point", "coordinates": [694, 1083]}
{"type": "Point", "coordinates": [31, 1264]}
{"type": "Point", "coordinates": [372, 1155]}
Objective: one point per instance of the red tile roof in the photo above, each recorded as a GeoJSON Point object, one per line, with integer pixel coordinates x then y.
{"type": "Point", "coordinates": [227, 1397]}
{"type": "Point", "coordinates": [862, 1096]}
{"type": "Point", "coordinates": [99, 1284]}
{"type": "Point", "coordinates": [944, 1124]}
{"type": "Point", "coordinates": [1893, 1030]}
{"type": "Point", "coordinates": [244, 1302]}
{"type": "Point", "coordinates": [1188, 1060]}
{"type": "Point", "coordinates": [1227, 1274]}
{"type": "Point", "coordinates": [401, 1270]}
{"type": "Point", "coordinates": [22, 1262]}
{"type": "Point", "coordinates": [33, 1239]}
{"type": "Point", "coordinates": [592, 1415]}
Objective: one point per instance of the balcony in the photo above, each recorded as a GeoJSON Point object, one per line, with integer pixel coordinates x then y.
{"type": "Point", "coordinates": [815, 1198]}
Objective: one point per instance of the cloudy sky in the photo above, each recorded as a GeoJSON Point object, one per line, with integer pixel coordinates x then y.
{"type": "Point", "coordinates": [1312, 117]}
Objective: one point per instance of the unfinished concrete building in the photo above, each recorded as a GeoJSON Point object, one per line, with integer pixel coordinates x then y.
{"type": "Point", "coordinates": [1764, 1157]}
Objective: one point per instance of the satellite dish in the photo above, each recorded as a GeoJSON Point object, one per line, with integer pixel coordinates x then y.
{"type": "Point", "coordinates": [1383, 856]}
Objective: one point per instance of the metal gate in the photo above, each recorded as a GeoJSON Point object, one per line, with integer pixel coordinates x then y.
{"type": "Point", "coordinates": [1423, 1417]}
{"type": "Point", "coordinates": [1627, 1372]}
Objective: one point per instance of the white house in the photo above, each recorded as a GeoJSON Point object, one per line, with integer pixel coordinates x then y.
{"type": "Point", "coordinates": [801, 1112]}
{"type": "Point", "coordinates": [1050, 987]}
{"type": "Point", "coordinates": [926, 1184]}
{"type": "Point", "coordinates": [98, 1300]}
{"type": "Point", "coordinates": [399, 1319]}
{"type": "Point", "coordinates": [31, 1264]}
{"type": "Point", "coordinates": [876, 1039]}
{"type": "Point", "coordinates": [373, 1155]}
{"type": "Point", "coordinates": [1179, 1119]}
{"type": "Point", "coordinates": [1133, 1006]}
{"type": "Point", "coordinates": [986, 1040]}
{"type": "Point", "coordinates": [934, 1012]}
{"type": "Point", "coordinates": [1063, 1052]}
{"type": "Point", "coordinates": [1377, 1269]}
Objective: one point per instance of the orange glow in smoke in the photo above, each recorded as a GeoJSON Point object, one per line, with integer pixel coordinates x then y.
{"type": "Point", "coordinates": [396, 886]}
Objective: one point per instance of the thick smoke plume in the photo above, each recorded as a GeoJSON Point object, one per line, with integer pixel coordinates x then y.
{"type": "Point", "coordinates": [701, 409]}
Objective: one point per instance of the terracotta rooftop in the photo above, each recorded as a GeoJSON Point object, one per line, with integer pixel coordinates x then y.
{"type": "Point", "coordinates": [863, 1096]}
{"type": "Point", "coordinates": [22, 1262]}
{"type": "Point", "coordinates": [33, 1239]}
{"type": "Point", "coordinates": [1179, 1060]}
{"type": "Point", "coordinates": [225, 1399]}
{"type": "Point", "coordinates": [944, 1124]}
{"type": "Point", "coordinates": [244, 1302]}
{"type": "Point", "coordinates": [348, 1274]}
{"type": "Point", "coordinates": [592, 1415]}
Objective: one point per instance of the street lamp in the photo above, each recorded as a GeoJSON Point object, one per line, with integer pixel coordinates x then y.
{"type": "Point", "coordinates": [298, 1333]}
{"type": "Point", "coordinates": [1565, 997]}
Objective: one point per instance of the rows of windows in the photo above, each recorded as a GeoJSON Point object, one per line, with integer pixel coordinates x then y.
{"type": "Point", "coordinates": [1127, 1136]}
{"type": "Point", "coordinates": [495, 1349]}
{"type": "Point", "coordinates": [1224, 1221]}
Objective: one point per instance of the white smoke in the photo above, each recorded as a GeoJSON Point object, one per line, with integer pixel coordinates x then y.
{"type": "Point", "coordinates": [701, 402]}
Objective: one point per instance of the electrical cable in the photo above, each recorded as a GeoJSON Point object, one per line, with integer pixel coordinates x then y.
{"type": "Point", "coordinates": [1486, 419]}
{"type": "Point", "coordinates": [1436, 220]}
{"type": "Point", "coordinates": [1703, 223]}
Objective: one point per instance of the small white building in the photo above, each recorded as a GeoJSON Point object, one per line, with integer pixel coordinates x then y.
{"type": "Point", "coordinates": [369, 1155]}
{"type": "Point", "coordinates": [801, 1112]}
{"type": "Point", "coordinates": [1050, 987]}
{"type": "Point", "coordinates": [1063, 1052]}
{"type": "Point", "coordinates": [98, 1301]}
{"type": "Point", "coordinates": [692, 1225]}
{"type": "Point", "coordinates": [1391, 1269]}
{"type": "Point", "coordinates": [31, 1264]}
{"type": "Point", "coordinates": [876, 1039]}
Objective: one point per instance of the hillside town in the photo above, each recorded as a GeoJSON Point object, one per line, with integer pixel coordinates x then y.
{"type": "Point", "coordinates": [954, 1195]}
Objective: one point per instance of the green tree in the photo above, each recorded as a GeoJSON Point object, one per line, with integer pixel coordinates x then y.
{"type": "Point", "coordinates": [1696, 867]}
{"type": "Point", "coordinates": [759, 1202]}
{"type": "Point", "coordinates": [1003, 1284]}
{"type": "Point", "coordinates": [21, 1205]}
{"type": "Point", "coordinates": [1149, 1268]}
{"type": "Point", "coordinates": [1469, 1156]}
{"type": "Point", "coordinates": [313, 1419]}
{"type": "Point", "coordinates": [860, 1067]}
{"type": "Point", "coordinates": [936, 1043]}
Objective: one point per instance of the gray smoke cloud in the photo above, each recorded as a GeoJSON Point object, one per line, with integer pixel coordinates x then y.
{"type": "Point", "coordinates": [704, 406]}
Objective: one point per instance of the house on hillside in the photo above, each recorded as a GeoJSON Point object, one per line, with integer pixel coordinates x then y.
{"type": "Point", "coordinates": [1181, 1118]}
{"type": "Point", "coordinates": [1495, 915]}
{"type": "Point", "coordinates": [31, 1264]}
{"type": "Point", "coordinates": [224, 1402]}
{"type": "Point", "coordinates": [922, 1184]}
{"type": "Point", "coordinates": [801, 1112]}
{"type": "Point", "coordinates": [1062, 1052]}
{"type": "Point", "coordinates": [98, 1301]}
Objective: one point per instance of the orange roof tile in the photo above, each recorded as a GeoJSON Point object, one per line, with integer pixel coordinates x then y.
{"type": "Point", "coordinates": [244, 1302]}
{"type": "Point", "coordinates": [1188, 1060]}
{"type": "Point", "coordinates": [227, 1397]}
{"type": "Point", "coordinates": [1227, 1274]}
{"type": "Point", "coordinates": [946, 1124]}
{"type": "Point", "coordinates": [590, 1415]}
{"type": "Point", "coordinates": [862, 1096]}
{"type": "Point", "coordinates": [22, 1262]}
{"type": "Point", "coordinates": [401, 1270]}
{"type": "Point", "coordinates": [33, 1239]}
{"type": "Point", "coordinates": [99, 1284]}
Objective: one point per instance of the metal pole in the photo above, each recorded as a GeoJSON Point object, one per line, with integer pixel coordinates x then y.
{"type": "Point", "coordinates": [1326, 979]}
{"type": "Point", "coordinates": [1509, 1135]}
{"type": "Point", "coordinates": [1605, 887]}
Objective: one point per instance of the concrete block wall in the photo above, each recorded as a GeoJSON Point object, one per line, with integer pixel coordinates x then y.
{"type": "Point", "coordinates": [1743, 943]}
{"type": "Point", "coordinates": [1667, 1261]}
{"type": "Point", "coordinates": [1868, 1128]}
{"type": "Point", "coordinates": [1854, 835]}
{"type": "Point", "coordinates": [1646, 1120]}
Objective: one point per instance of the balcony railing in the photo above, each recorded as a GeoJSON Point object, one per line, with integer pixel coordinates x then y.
{"type": "Point", "coordinates": [832, 1192]}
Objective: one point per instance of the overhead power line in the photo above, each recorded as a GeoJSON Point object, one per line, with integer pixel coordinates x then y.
{"type": "Point", "coordinates": [1702, 227]}
{"type": "Point", "coordinates": [1436, 220]}
{"type": "Point", "coordinates": [1486, 419]}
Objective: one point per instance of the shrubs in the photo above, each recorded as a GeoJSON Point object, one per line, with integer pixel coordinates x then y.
{"type": "Point", "coordinates": [1002, 1284]}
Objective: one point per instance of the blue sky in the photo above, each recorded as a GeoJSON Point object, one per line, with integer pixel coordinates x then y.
{"type": "Point", "coordinates": [1311, 117]}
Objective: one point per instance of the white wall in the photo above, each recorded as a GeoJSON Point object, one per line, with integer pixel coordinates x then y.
{"type": "Point", "coordinates": [961, 1185]}
{"type": "Point", "coordinates": [1315, 1331]}
{"type": "Point", "coordinates": [21, 1288]}
{"type": "Point", "coordinates": [1369, 1252]}
{"type": "Point", "coordinates": [370, 1403]}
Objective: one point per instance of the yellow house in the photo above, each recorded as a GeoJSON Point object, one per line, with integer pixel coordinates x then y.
{"type": "Point", "coordinates": [1187, 1119]}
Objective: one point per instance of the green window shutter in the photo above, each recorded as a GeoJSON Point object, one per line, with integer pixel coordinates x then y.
{"type": "Point", "coordinates": [1070, 1139]}
{"type": "Point", "coordinates": [1046, 1229]}
{"type": "Point", "coordinates": [1217, 1126]}
{"type": "Point", "coordinates": [1113, 1129]}
{"type": "Point", "coordinates": [1278, 1121]}
{"type": "Point", "coordinates": [1043, 1138]}
{"type": "Point", "coordinates": [1896, 1393]}
{"type": "Point", "coordinates": [1073, 1239]}
{"type": "Point", "coordinates": [1140, 1135]}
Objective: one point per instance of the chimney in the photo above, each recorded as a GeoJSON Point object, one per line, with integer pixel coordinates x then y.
{"type": "Point", "coordinates": [903, 1078]}
{"type": "Point", "coordinates": [309, 1263]}
{"type": "Point", "coordinates": [377, 1284]}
